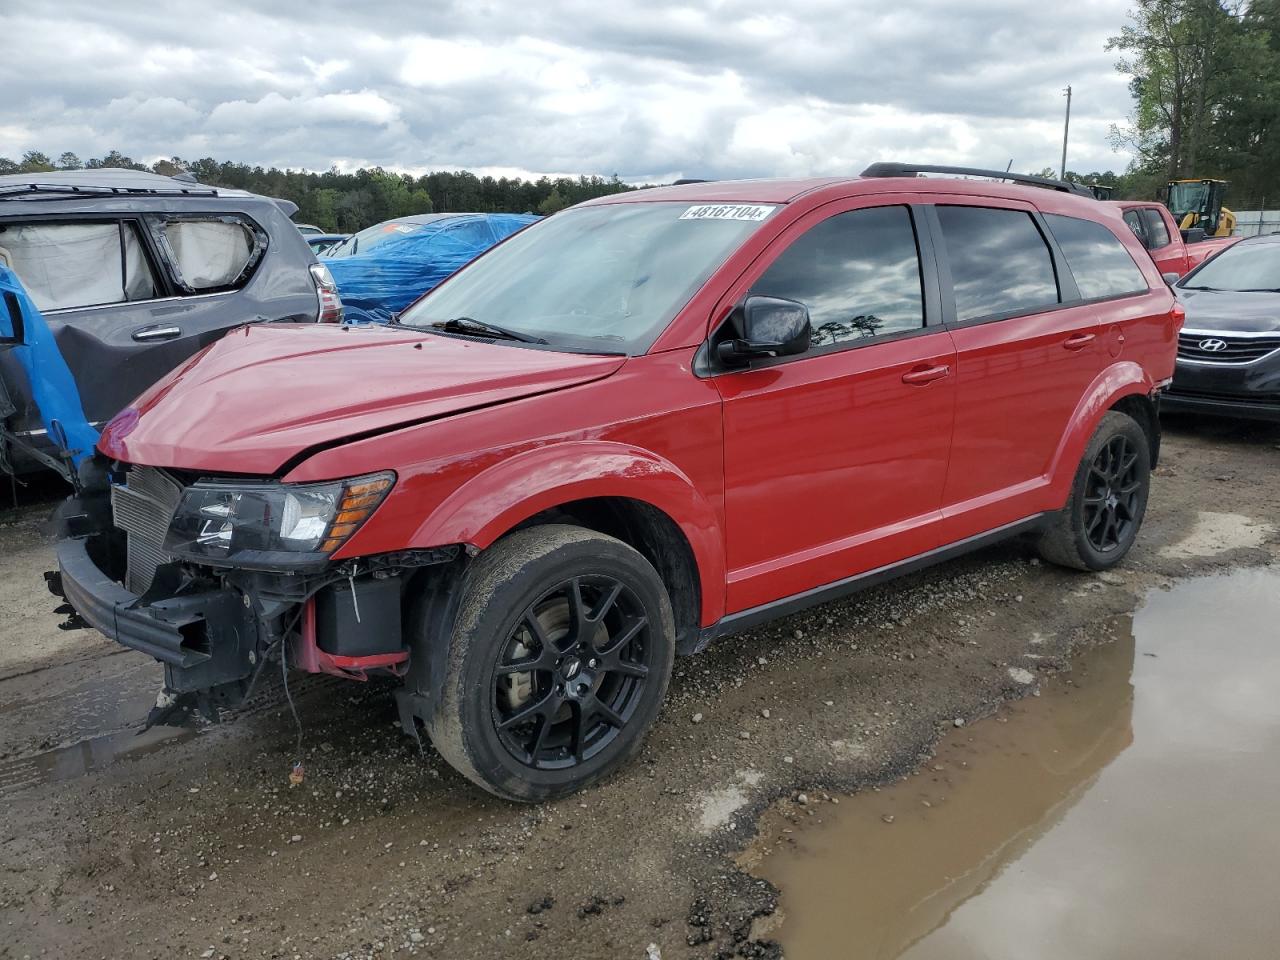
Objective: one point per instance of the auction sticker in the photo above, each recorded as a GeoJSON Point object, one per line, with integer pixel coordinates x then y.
{"type": "Point", "coordinates": [727, 211]}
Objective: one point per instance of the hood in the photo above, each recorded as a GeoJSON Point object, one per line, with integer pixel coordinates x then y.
{"type": "Point", "coordinates": [266, 393]}
{"type": "Point", "coordinates": [1230, 312]}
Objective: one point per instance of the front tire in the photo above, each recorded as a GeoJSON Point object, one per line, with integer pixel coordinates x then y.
{"type": "Point", "coordinates": [1100, 522]}
{"type": "Point", "coordinates": [558, 663]}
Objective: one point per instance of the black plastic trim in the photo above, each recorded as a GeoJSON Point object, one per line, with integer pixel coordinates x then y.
{"type": "Point", "coordinates": [156, 630]}
{"type": "Point", "coordinates": [754, 616]}
{"type": "Point", "coordinates": [1244, 409]}
{"type": "Point", "coordinates": [883, 169]}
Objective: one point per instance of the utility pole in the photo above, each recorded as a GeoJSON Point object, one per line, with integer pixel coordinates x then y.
{"type": "Point", "coordinates": [1066, 129]}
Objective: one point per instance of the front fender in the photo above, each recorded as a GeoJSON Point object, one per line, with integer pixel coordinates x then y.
{"type": "Point", "coordinates": [508, 493]}
{"type": "Point", "coordinates": [1122, 379]}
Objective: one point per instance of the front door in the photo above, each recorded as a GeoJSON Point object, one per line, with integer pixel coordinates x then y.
{"type": "Point", "coordinates": [835, 459]}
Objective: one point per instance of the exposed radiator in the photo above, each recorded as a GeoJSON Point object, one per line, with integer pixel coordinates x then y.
{"type": "Point", "coordinates": [143, 509]}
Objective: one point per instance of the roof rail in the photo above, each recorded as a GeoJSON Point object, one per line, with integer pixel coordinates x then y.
{"type": "Point", "coordinates": [52, 191]}
{"type": "Point", "coordinates": [686, 180]}
{"type": "Point", "coordinates": [913, 169]}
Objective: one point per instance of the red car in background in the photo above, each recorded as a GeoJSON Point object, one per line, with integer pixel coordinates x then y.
{"type": "Point", "coordinates": [1154, 225]}
{"type": "Point", "coordinates": [645, 423]}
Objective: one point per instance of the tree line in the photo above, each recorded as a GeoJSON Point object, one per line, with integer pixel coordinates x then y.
{"type": "Point", "coordinates": [347, 202]}
{"type": "Point", "coordinates": [1205, 78]}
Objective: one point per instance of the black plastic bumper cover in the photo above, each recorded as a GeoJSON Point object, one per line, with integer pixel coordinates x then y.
{"type": "Point", "coordinates": [1246, 408]}
{"type": "Point", "coordinates": [202, 638]}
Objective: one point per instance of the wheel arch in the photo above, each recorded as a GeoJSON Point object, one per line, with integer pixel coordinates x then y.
{"type": "Point", "coordinates": [617, 489]}
{"type": "Point", "coordinates": [1123, 386]}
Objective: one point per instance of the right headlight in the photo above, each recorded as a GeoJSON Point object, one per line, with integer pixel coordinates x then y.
{"type": "Point", "coordinates": [271, 525]}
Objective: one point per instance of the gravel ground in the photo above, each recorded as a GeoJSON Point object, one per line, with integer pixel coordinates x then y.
{"type": "Point", "coordinates": [197, 846]}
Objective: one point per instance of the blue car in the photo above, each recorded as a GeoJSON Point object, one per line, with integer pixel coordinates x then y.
{"type": "Point", "coordinates": [381, 270]}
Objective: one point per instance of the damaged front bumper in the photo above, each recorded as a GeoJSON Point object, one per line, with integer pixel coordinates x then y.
{"type": "Point", "coordinates": [214, 629]}
{"type": "Point", "coordinates": [205, 638]}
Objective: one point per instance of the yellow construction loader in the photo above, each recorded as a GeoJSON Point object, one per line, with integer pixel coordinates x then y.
{"type": "Point", "coordinates": [1198, 203]}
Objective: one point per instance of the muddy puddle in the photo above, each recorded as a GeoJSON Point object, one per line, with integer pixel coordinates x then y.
{"type": "Point", "coordinates": [1130, 811]}
{"type": "Point", "coordinates": [86, 756]}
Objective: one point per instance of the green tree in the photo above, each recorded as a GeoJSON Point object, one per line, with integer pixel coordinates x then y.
{"type": "Point", "coordinates": [1179, 56]}
{"type": "Point", "coordinates": [69, 161]}
{"type": "Point", "coordinates": [33, 161]}
{"type": "Point", "coordinates": [552, 203]}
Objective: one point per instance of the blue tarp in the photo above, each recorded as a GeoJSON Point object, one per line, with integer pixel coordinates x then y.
{"type": "Point", "coordinates": [384, 281]}
{"type": "Point", "coordinates": [52, 386]}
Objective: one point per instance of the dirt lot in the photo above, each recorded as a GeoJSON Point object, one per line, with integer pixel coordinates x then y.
{"type": "Point", "coordinates": [196, 845]}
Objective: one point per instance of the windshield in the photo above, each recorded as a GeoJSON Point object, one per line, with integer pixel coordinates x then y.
{"type": "Point", "coordinates": [372, 237]}
{"type": "Point", "coordinates": [1185, 197]}
{"type": "Point", "coordinates": [597, 279]}
{"type": "Point", "coordinates": [1241, 267]}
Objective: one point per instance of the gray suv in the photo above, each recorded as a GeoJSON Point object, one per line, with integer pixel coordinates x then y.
{"type": "Point", "coordinates": [136, 272]}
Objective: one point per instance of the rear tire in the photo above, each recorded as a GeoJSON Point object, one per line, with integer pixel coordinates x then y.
{"type": "Point", "coordinates": [1100, 522]}
{"type": "Point", "coordinates": [558, 663]}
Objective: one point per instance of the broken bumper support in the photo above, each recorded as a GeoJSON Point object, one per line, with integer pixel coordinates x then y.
{"type": "Point", "coordinates": [204, 639]}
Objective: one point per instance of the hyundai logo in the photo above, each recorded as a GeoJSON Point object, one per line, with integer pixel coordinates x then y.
{"type": "Point", "coordinates": [1213, 345]}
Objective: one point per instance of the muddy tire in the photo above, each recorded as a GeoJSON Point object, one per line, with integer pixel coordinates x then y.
{"type": "Point", "coordinates": [1108, 499]}
{"type": "Point", "coordinates": [558, 663]}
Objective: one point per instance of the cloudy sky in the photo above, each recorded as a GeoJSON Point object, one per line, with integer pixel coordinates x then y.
{"type": "Point", "coordinates": [653, 91]}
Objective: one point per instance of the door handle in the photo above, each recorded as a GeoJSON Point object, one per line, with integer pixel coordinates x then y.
{"type": "Point", "coordinates": [922, 375]}
{"type": "Point", "coordinates": [1078, 341]}
{"type": "Point", "coordinates": [157, 332]}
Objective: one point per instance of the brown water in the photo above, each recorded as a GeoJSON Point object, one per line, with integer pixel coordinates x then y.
{"type": "Point", "coordinates": [1133, 812]}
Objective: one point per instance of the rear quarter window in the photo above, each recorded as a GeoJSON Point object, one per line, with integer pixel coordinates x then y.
{"type": "Point", "coordinates": [211, 253]}
{"type": "Point", "coordinates": [1098, 260]}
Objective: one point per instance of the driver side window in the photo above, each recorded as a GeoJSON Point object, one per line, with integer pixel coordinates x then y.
{"type": "Point", "coordinates": [857, 272]}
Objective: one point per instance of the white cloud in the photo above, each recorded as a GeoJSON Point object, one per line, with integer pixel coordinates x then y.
{"type": "Point", "coordinates": [648, 91]}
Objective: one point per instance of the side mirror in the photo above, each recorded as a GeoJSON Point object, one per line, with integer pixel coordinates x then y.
{"type": "Point", "coordinates": [1171, 278]}
{"type": "Point", "coordinates": [12, 332]}
{"type": "Point", "coordinates": [771, 327]}
{"type": "Point", "coordinates": [1194, 234]}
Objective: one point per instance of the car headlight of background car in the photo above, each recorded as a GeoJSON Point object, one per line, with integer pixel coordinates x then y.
{"type": "Point", "coordinates": [271, 525]}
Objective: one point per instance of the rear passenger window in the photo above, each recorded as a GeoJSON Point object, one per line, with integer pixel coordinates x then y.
{"type": "Point", "coordinates": [1000, 264]}
{"type": "Point", "coordinates": [857, 272]}
{"type": "Point", "coordinates": [68, 265]}
{"type": "Point", "coordinates": [210, 253]}
{"type": "Point", "coordinates": [1099, 262]}
{"type": "Point", "coordinates": [1157, 232]}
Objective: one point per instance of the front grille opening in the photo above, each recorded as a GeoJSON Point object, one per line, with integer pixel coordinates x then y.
{"type": "Point", "coordinates": [195, 637]}
{"type": "Point", "coordinates": [1227, 349]}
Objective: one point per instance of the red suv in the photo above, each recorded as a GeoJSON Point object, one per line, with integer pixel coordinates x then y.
{"type": "Point", "coordinates": [647, 422]}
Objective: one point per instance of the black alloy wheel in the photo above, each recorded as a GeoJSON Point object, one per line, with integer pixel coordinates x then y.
{"type": "Point", "coordinates": [1099, 523]}
{"type": "Point", "coordinates": [1112, 494]}
{"type": "Point", "coordinates": [556, 665]}
{"type": "Point", "coordinates": [572, 672]}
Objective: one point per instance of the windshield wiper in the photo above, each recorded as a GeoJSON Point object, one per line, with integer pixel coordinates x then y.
{"type": "Point", "coordinates": [1190, 287]}
{"type": "Point", "coordinates": [474, 326]}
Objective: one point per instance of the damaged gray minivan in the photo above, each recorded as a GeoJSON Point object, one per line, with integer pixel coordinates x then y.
{"type": "Point", "coordinates": [135, 272]}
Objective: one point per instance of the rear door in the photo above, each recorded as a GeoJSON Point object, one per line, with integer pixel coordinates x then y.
{"type": "Point", "coordinates": [89, 277]}
{"type": "Point", "coordinates": [130, 298]}
{"type": "Point", "coordinates": [1027, 348]}
{"type": "Point", "coordinates": [835, 459]}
